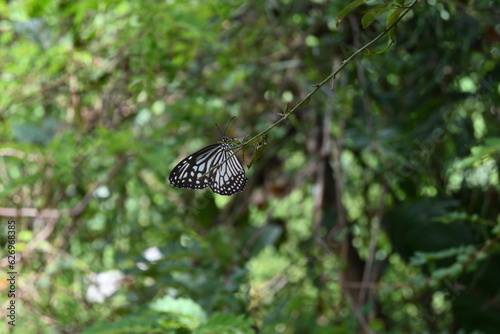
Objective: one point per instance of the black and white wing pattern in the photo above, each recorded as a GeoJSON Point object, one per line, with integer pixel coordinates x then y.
{"type": "Point", "coordinates": [227, 179]}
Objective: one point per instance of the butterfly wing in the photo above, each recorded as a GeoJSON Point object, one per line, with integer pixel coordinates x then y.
{"type": "Point", "coordinates": [227, 179]}
{"type": "Point", "coordinates": [230, 177]}
{"type": "Point", "coordinates": [188, 172]}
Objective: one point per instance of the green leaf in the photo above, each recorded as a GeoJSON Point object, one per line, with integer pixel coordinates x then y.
{"type": "Point", "coordinates": [451, 217]}
{"type": "Point", "coordinates": [392, 33]}
{"type": "Point", "coordinates": [305, 102]}
{"type": "Point", "coordinates": [187, 311]}
{"type": "Point", "coordinates": [448, 272]}
{"type": "Point", "coordinates": [491, 146]}
{"type": "Point", "coordinates": [349, 8]}
{"type": "Point", "coordinates": [418, 259]}
{"type": "Point", "coordinates": [389, 44]}
{"type": "Point", "coordinates": [259, 149]}
{"type": "Point", "coordinates": [226, 323]}
{"type": "Point", "coordinates": [392, 18]}
{"type": "Point", "coordinates": [372, 15]}
{"type": "Point", "coordinates": [147, 322]}
{"type": "Point", "coordinates": [287, 109]}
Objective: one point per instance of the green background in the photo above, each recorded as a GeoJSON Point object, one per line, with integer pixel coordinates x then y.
{"type": "Point", "coordinates": [373, 208]}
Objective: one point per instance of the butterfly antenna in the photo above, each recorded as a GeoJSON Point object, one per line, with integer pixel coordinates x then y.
{"type": "Point", "coordinates": [219, 130]}
{"type": "Point", "coordinates": [228, 124]}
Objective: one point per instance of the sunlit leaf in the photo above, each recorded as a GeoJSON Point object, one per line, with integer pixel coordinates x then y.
{"type": "Point", "coordinates": [188, 311]}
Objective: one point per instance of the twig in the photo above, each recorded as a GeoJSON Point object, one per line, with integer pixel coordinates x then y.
{"type": "Point", "coordinates": [373, 245]}
{"type": "Point", "coordinates": [466, 263]}
{"type": "Point", "coordinates": [374, 285]}
{"type": "Point", "coordinates": [30, 212]}
{"type": "Point", "coordinates": [484, 249]}
{"type": "Point", "coordinates": [51, 215]}
{"type": "Point", "coordinates": [357, 313]}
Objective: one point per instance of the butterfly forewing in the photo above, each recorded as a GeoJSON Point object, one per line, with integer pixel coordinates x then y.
{"type": "Point", "coordinates": [227, 179]}
{"type": "Point", "coordinates": [188, 173]}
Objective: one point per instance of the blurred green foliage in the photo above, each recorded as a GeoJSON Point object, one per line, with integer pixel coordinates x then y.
{"type": "Point", "coordinates": [374, 207]}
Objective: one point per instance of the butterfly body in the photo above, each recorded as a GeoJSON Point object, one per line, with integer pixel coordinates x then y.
{"type": "Point", "coordinates": [197, 170]}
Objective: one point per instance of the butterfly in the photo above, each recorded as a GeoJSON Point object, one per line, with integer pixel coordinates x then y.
{"type": "Point", "coordinates": [227, 179]}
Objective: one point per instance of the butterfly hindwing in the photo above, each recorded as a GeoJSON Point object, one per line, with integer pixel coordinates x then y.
{"type": "Point", "coordinates": [230, 178]}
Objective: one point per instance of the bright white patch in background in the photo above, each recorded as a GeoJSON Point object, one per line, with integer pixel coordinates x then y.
{"type": "Point", "coordinates": [103, 285]}
{"type": "Point", "coordinates": [102, 192]}
{"type": "Point", "coordinates": [142, 266]}
{"type": "Point", "coordinates": [152, 254]}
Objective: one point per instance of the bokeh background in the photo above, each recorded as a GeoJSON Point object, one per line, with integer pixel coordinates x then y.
{"type": "Point", "coordinates": [373, 209]}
